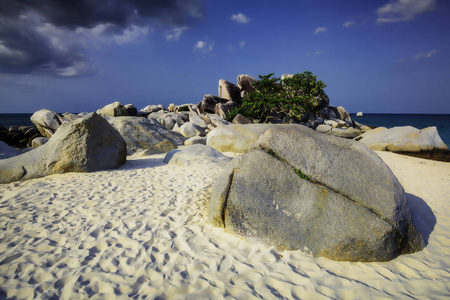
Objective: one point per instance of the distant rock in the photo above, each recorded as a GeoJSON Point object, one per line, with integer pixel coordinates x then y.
{"type": "Point", "coordinates": [345, 116]}
{"type": "Point", "coordinates": [150, 109]}
{"type": "Point", "coordinates": [229, 91]}
{"type": "Point", "coordinates": [85, 145]}
{"type": "Point", "coordinates": [195, 140]}
{"type": "Point", "coordinates": [245, 83]}
{"type": "Point", "coordinates": [39, 141]}
{"type": "Point", "coordinates": [47, 122]}
{"type": "Point", "coordinates": [425, 143]}
{"type": "Point", "coordinates": [196, 155]}
{"type": "Point", "coordinates": [189, 130]}
{"type": "Point", "coordinates": [327, 196]}
{"type": "Point", "coordinates": [359, 114]}
{"type": "Point", "coordinates": [115, 109]}
{"type": "Point", "coordinates": [163, 147]}
{"type": "Point", "coordinates": [131, 110]}
{"type": "Point", "coordinates": [142, 134]}
{"type": "Point", "coordinates": [208, 104]}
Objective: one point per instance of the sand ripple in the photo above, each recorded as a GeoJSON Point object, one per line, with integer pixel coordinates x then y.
{"type": "Point", "coordinates": [141, 231]}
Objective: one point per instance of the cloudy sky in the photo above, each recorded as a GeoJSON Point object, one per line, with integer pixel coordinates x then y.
{"type": "Point", "coordinates": [388, 56]}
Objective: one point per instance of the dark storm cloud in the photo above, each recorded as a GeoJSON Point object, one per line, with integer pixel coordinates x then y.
{"type": "Point", "coordinates": [40, 35]}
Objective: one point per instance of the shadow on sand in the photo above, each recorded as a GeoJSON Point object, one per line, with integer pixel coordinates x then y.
{"type": "Point", "coordinates": [422, 215]}
{"type": "Point", "coordinates": [142, 163]}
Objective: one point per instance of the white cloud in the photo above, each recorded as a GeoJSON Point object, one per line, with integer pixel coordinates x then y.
{"type": "Point", "coordinates": [175, 33]}
{"type": "Point", "coordinates": [242, 44]}
{"type": "Point", "coordinates": [204, 46]}
{"type": "Point", "coordinates": [404, 10]}
{"type": "Point", "coordinates": [315, 53]}
{"type": "Point", "coordinates": [425, 55]}
{"type": "Point", "coordinates": [348, 24]}
{"type": "Point", "coordinates": [320, 29]}
{"type": "Point", "coordinates": [130, 34]}
{"type": "Point", "coordinates": [240, 18]}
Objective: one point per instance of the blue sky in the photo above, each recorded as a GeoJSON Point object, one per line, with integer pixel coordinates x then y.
{"type": "Point", "coordinates": [375, 56]}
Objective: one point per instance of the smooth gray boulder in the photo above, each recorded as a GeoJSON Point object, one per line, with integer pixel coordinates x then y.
{"type": "Point", "coordinates": [196, 155]}
{"type": "Point", "coordinates": [189, 130]}
{"type": "Point", "coordinates": [425, 143]}
{"type": "Point", "coordinates": [46, 121]}
{"type": "Point", "coordinates": [115, 109]}
{"type": "Point", "coordinates": [39, 141]}
{"type": "Point", "coordinates": [195, 140]}
{"type": "Point", "coordinates": [142, 134]}
{"type": "Point", "coordinates": [7, 151]}
{"type": "Point", "coordinates": [236, 137]}
{"type": "Point", "coordinates": [85, 145]}
{"type": "Point", "coordinates": [330, 197]}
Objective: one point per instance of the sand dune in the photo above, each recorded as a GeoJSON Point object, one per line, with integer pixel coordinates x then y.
{"type": "Point", "coordinates": [141, 231]}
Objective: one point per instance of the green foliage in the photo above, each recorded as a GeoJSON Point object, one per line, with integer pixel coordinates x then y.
{"type": "Point", "coordinates": [302, 175]}
{"type": "Point", "coordinates": [229, 116]}
{"type": "Point", "coordinates": [292, 96]}
{"type": "Point", "coordinates": [183, 108]}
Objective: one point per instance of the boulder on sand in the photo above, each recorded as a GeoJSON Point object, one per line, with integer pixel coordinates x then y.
{"type": "Point", "coordinates": [328, 196]}
{"type": "Point", "coordinates": [196, 155]}
{"type": "Point", "coordinates": [86, 145]}
{"type": "Point", "coordinates": [425, 143]}
{"type": "Point", "coordinates": [46, 121]}
{"type": "Point", "coordinates": [142, 134]}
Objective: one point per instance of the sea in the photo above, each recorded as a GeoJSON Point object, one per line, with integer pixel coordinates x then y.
{"type": "Point", "coordinates": [420, 121]}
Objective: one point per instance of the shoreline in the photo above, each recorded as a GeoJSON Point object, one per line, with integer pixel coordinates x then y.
{"type": "Point", "coordinates": [142, 230]}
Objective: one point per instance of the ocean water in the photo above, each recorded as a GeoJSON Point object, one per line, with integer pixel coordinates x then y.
{"type": "Point", "coordinates": [420, 121]}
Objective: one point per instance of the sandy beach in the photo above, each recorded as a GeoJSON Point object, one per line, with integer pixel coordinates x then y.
{"type": "Point", "coordinates": [141, 231]}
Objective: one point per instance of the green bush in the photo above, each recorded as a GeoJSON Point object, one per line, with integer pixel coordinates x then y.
{"type": "Point", "coordinates": [292, 96]}
{"type": "Point", "coordinates": [183, 108]}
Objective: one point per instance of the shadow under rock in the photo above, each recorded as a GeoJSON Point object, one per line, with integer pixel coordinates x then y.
{"type": "Point", "coordinates": [422, 215]}
{"type": "Point", "coordinates": [143, 163]}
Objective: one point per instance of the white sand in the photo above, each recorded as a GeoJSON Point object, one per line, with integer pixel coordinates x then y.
{"type": "Point", "coordinates": [142, 231]}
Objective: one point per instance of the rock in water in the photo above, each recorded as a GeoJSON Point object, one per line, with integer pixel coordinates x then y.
{"type": "Point", "coordinates": [331, 197]}
{"type": "Point", "coordinates": [86, 145]}
{"type": "Point", "coordinates": [46, 121]}
{"type": "Point", "coordinates": [142, 134]}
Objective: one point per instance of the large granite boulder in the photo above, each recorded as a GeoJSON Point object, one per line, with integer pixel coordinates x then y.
{"type": "Point", "coordinates": [7, 151]}
{"type": "Point", "coordinates": [142, 134]}
{"type": "Point", "coordinates": [344, 115]}
{"type": "Point", "coordinates": [245, 83]}
{"type": "Point", "coordinates": [85, 145]}
{"type": "Point", "coordinates": [196, 155]}
{"type": "Point", "coordinates": [425, 143]}
{"type": "Point", "coordinates": [115, 109]}
{"type": "Point", "coordinates": [208, 103]}
{"type": "Point", "coordinates": [46, 121]}
{"type": "Point", "coordinates": [189, 130]}
{"type": "Point", "coordinates": [330, 197]}
{"type": "Point", "coordinates": [236, 138]}
{"type": "Point", "coordinates": [229, 91]}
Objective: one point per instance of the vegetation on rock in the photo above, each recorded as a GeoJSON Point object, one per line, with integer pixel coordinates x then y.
{"type": "Point", "coordinates": [294, 96]}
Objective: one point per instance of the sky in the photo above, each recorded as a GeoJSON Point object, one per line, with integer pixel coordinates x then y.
{"type": "Point", "coordinates": [378, 56]}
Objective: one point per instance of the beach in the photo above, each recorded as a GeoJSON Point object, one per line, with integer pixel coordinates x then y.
{"type": "Point", "coordinates": [141, 231]}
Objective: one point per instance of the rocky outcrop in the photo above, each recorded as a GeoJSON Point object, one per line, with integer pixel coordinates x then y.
{"type": "Point", "coordinates": [425, 143]}
{"type": "Point", "coordinates": [229, 91]}
{"type": "Point", "coordinates": [142, 134]}
{"type": "Point", "coordinates": [131, 110]}
{"type": "Point", "coordinates": [330, 197]}
{"type": "Point", "coordinates": [196, 155]}
{"type": "Point", "coordinates": [208, 104]}
{"type": "Point", "coordinates": [150, 109]}
{"type": "Point", "coordinates": [46, 121]}
{"type": "Point", "coordinates": [86, 145]}
{"type": "Point", "coordinates": [115, 109]}
{"type": "Point", "coordinates": [245, 83]}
